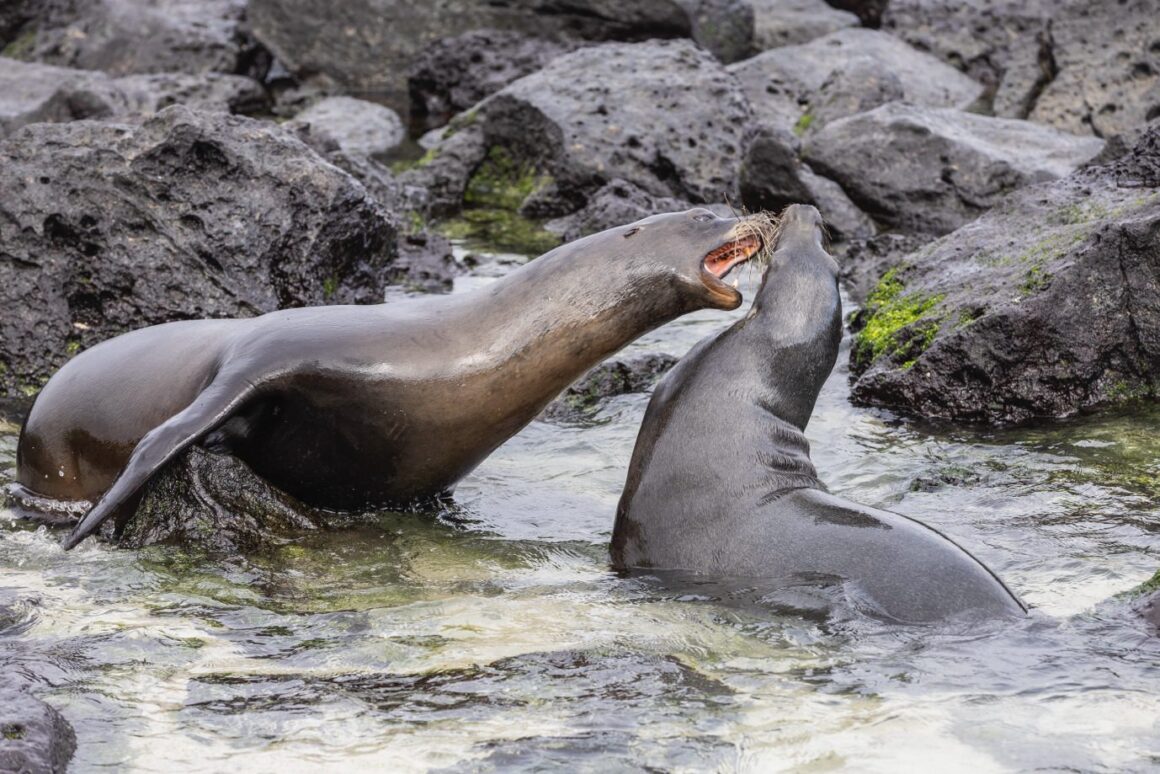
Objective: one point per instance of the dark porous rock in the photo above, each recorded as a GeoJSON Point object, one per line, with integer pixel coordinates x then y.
{"type": "Point", "coordinates": [452, 74]}
{"type": "Point", "coordinates": [369, 46]}
{"type": "Point", "coordinates": [932, 170]}
{"type": "Point", "coordinates": [107, 227]}
{"type": "Point", "coordinates": [443, 173]}
{"type": "Point", "coordinates": [34, 737]}
{"type": "Point", "coordinates": [426, 262]}
{"type": "Point", "coordinates": [14, 16]}
{"type": "Point", "coordinates": [724, 28]}
{"type": "Point", "coordinates": [772, 178]}
{"type": "Point", "coordinates": [858, 85]}
{"type": "Point", "coordinates": [355, 126]}
{"type": "Point", "coordinates": [784, 83]}
{"type": "Point", "coordinates": [1085, 66]}
{"type": "Point", "coordinates": [611, 378]}
{"type": "Point", "coordinates": [122, 37]}
{"type": "Point", "coordinates": [663, 115]}
{"type": "Point", "coordinates": [1047, 305]}
{"type": "Point", "coordinates": [216, 504]}
{"type": "Point", "coordinates": [35, 93]}
{"type": "Point", "coordinates": [864, 261]}
{"type": "Point", "coordinates": [617, 203]}
{"type": "Point", "coordinates": [790, 22]}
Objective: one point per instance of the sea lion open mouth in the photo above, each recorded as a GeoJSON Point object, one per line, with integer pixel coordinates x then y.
{"type": "Point", "coordinates": [753, 237]}
{"type": "Point", "coordinates": [722, 260]}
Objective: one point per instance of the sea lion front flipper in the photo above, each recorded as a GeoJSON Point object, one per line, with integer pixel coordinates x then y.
{"type": "Point", "coordinates": [161, 444]}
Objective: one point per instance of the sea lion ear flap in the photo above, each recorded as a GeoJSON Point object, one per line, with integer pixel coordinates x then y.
{"type": "Point", "coordinates": [159, 446]}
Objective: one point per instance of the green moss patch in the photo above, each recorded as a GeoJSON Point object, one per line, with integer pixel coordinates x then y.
{"type": "Point", "coordinates": [502, 230]}
{"type": "Point", "coordinates": [803, 124]}
{"type": "Point", "coordinates": [501, 182]}
{"type": "Point", "coordinates": [21, 48]}
{"type": "Point", "coordinates": [897, 324]}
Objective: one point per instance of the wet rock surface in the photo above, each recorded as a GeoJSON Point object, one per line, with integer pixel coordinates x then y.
{"type": "Point", "coordinates": [607, 380]}
{"type": "Point", "coordinates": [110, 227]}
{"type": "Point", "coordinates": [34, 737]}
{"type": "Point", "coordinates": [1045, 306]}
{"type": "Point", "coordinates": [214, 503]}
{"type": "Point", "coordinates": [930, 169]}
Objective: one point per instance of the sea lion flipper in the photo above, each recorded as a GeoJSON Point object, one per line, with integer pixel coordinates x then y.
{"type": "Point", "coordinates": [160, 445]}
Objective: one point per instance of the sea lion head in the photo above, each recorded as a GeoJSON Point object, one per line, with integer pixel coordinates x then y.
{"type": "Point", "coordinates": [801, 235]}
{"type": "Point", "coordinates": [698, 248]}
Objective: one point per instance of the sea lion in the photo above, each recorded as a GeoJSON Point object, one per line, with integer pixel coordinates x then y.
{"type": "Point", "coordinates": [352, 407]}
{"type": "Point", "coordinates": [721, 485]}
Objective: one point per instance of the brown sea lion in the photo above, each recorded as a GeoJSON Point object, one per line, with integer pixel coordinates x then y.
{"type": "Point", "coordinates": [352, 407]}
{"type": "Point", "coordinates": [721, 487]}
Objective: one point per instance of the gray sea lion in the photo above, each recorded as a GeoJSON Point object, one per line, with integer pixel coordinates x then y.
{"type": "Point", "coordinates": [721, 484]}
{"type": "Point", "coordinates": [351, 407]}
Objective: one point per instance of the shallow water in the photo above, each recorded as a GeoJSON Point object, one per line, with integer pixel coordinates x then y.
{"type": "Point", "coordinates": [502, 641]}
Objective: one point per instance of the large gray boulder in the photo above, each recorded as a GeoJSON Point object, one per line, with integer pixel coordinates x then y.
{"type": "Point", "coordinates": [783, 83]}
{"type": "Point", "coordinates": [1086, 66]}
{"type": "Point", "coordinates": [122, 37]}
{"type": "Point", "coordinates": [1047, 305]}
{"type": "Point", "coordinates": [368, 46]}
{"type": "Point", "coordinates": [109, 227]}
{"type": "Point", "coordinates": [779, 23]}
{"type": "Point", "coordinates": [663, 115]}
{"type": "Point", "coordinates": [934, 169]}
{"type": "Point", "coordinates": [355, 126]}
{"type": "Point", "coordinates": [33, 93]}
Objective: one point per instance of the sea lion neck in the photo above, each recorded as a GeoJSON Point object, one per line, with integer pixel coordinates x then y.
{"type": "Point", "coordinates": [560, 315]}
{"type": "Point", "coordinates": [794, 328]}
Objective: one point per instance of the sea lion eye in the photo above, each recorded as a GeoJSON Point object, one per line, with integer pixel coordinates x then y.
{"type": "Point", "coordinates": [631, 231]}
{"type": "Point", "coordinates": [704, 217]}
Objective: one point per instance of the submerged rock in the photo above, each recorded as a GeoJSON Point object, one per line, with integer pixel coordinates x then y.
{"type": "Point", "coordinates": [1085, 66]}
{"type": "Point", "coordinates": [932, 169]}
{"type": "Point", "coordinates": [109, 227]}
{"type": "Point", "coordinates": [1047, 305]}
{"type": "Point", "coordinates": [34, 737]}
{"type": "Point", "coordinates": [35, 93]}
{"type": "Point", "coordinates": [611, 378]}
{"type": "Point", "coordinates": [214, 503]}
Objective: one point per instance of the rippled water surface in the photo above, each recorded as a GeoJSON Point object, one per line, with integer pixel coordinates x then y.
{"type": "Point", "coordinates": [503, 642]}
